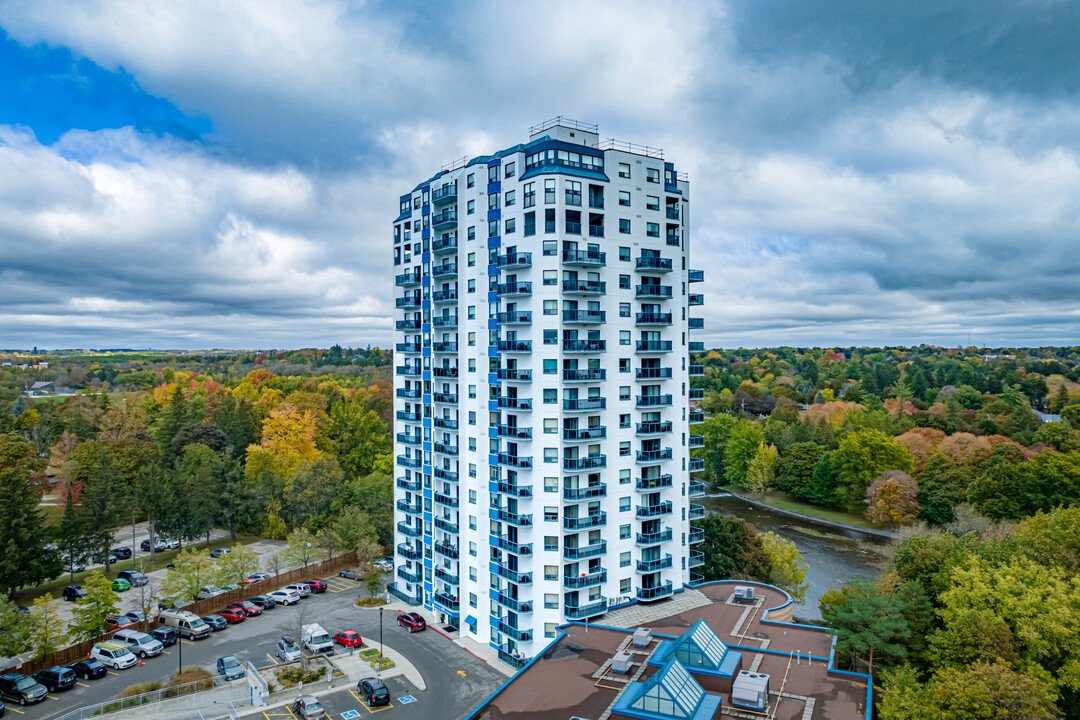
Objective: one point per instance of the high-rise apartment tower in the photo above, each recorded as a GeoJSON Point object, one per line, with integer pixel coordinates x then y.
{"type": "Point", "coordinates": [542, 399]}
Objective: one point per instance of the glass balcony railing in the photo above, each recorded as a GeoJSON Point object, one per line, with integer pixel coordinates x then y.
{"type": "Point", "coordinates": [584, 551]}
{"type": "Point", "coordinates": [584, 316]}
{"type": "Point", "coordinates": [514, 288]}
{"type": "Point", "coordinates": [696, 488]}
{"type": "Point", "coordinates": [447, 398]}
{"type": "Point", "coordinates": [697, 371]}
{"type": "Point", "coordinates": [445, 474]}
{"type": "Point", "coordinates": [411, 485]}
{"type": "Point", "coordinates": [511, 631]}
{"type": "Point", "coordinates": [696, 417]}
{"type": "Point", "coordinates": [441, 296]}
{"type": "Point", "coordinates": [446, 601]}
{"type": "Point", "coordinates": [442, 245]}
{"type": "Point", "coordinates": [409, 462]}
{"type": "Point", "coordinates": [514, 431]}
{"type": "Point", "coordinates": [647, 456]}
{"type": "Point", "coordinates": [585, 463]}
{"type": "Point", "coordinates": [408, 575]}
{"type": "Point", "coordinates": [412, 508]}
{"type": "Point", "coordinates": [444, 346]}
{"type": "Point", "coordinates": [518, 461]}
{"type": "Point", "coordinates": [407, 370]}
{"type": "Point", "coordinates": [584, 287]}
{"type": "Point", "coordinates": [697, 558]}
{"type": "Point", "coordinates": [573, 228]}
{"type": "Point", "coordinates": [409, 438]}
{"type": "Point", "coordinates": [409, 530]}
{"type": "Point", "coordinates": [585, 375]}
{"type": "Point", "coordinates": [594, 432]}
{"type": "Point", "coordinates": [514, 260]}
{"type": "Point", "coordinates": [584, 346]}
{"type": "Point", "coordinates": [514, 576]}
{"type": "Point", "coordinates": [513, 518]}
{"type": "Point", "coordinates": [648, 566]}
{"type": "Point", "coordinates": [585, 493]}
{"type": "Point", "coordinates": [446, 448]}
{"type": "Point", "coordinates": [447, 550]}
{"type": "Point", "coordinates": [651, 346]}
{"type": "Point", "coordinates": [514, 317]}
{"type": "Point", "coordinates": [654, 373]}
{"type": "Point", "coordinates": [652, 428]}
{"type": "Point", "coordinates": [512, 659]}
{"type": "Point", "coordinates": [514, 346]}
{"type": "Point", "coordinates": [592, 609]}
{"type": "Point", "coordinates": [654, 483]}
{"type": "Point", "coordinates": [447, 526]}
{"type": "Point", "coordinates": [403, 596]}
{"type": "Point", "coordinates": [696, 323]}
{"type": "Point", "coordinates": [697, 535]}
{"type": "Point", "coordinates": [444, 270]}
{"type": "Point", "coordinates": [443, 499]}
{"type": "Point", "coordinates": [654, 538]}
{"type": "Point", "coordinates": [407, 279]}
{"type": "Point", "coordinates": [583, 523]}
{"type": "Point", "coordinates": [653, 291]}
{"type": "Point", "coordinates": [514, 375]}
{"type": "Point", "coordinates": [409, 552]}
{"type": "Point", "coordinates": [407, 416]}
{"type": "Point", "coordinates": [445, 194]}
{"type": "Point", "coordinates": [653, 264]}
{"type": "Point", "coordinates": [697, 464]}
{"type": "Point", "coordinates": [515, 604]}
{"type": "Point", "coordinates": [654, 510]}
{"type": "Point", "coordinates": [584, 404]}
{"type": "Point", "coordinates": [593, 577]}
{"type": "Point", "coordinates": [653, 400]}
{"type": "Point", "coordinates": [596, 231]}
{"type": "Point", "coordinates": [696, 441]}
{"type": "Point", "coordinates": [696, 511]}
{"type": "Point", "coordinates": [517, 548]}
{"type": "Point", "coordinates": [413, 347]}
{"type": "Point", "coordinates": [672, 212]}
{"type": "Point", "coordinates": [444, 372]}
{"type": "Point", "coordinates": [408, 393]}
{"type": "Point", "coordinates": [446, 577]}
{"type": "Point", "coordinates": [409, 301]}
{"type": "Point", "coordinates": [697, 393]}
{"type": "Point", "coordinates": [445, 321]}
{"type": "Point", "coordinates": [653, 318]}
{"type": "Point", "coordinates": [514, 403]}
{"type": "Point", "coordinates": [584, 257]}
{"type": "Point", "coordinates": [446, 217]}
{"type": "Point", "coordinates": [695, 276]}
{"type": "Point", "coordinates": [654, 593]}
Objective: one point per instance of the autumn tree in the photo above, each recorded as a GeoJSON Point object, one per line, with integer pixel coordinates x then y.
{"type": "Point", "coordinates": [860, 457]}
{"type": "Point", "coordinates": [892, 498]}
{"type": "Point", "coordinates": [788, 568]}
{"type": "Point", "coordinates": [761, 475]}
{"type": "Point", "coordinates": [240, 562]}
{"type": "Point", "coordinates": [47, 630]}
{"type": "Point", "coordinates": [301, 548]}
{"type": "Point", "coordinates": [88, 616]}
{"type": "Point", "coordinates": [742, 446]}
{"type": "Point", "coordinates": [192, 570]}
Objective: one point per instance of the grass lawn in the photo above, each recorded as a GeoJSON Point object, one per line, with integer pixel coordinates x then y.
{"type": "Point", "coordinates": [782, 500]}
{"type": "Point", "coordinates": [143, 564]}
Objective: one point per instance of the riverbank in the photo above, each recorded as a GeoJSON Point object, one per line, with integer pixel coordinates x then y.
{"type": "Point", "coordinates": [788, 512]}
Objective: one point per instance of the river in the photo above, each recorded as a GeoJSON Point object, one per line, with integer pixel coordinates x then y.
{"type": "Point", "coordinates": [833, 556]}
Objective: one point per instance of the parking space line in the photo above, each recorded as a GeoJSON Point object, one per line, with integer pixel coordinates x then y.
{"type": "Point", "coordinates": [21, 712]}
{"type": "Point", "coordinates": [360, 700]}
{"type": "Point", "coordinates": [187, 642]}
{"type": "Point", "coordinates": [114, 673]}
{"type": "Point", "coordinates": [50, 697]}
{"type": "Point", "coordinates": [272, 659]}
{"type": "Point", "coordinates": [81, 684]}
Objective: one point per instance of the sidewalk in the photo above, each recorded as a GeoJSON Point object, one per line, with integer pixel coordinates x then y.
{"type": "Point", "coordinates": [356, 668]}
{"type": "Point", "coordinates": [479, 650]}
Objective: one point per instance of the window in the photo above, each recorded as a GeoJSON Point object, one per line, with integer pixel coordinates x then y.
{"type": "Point", "coordinates": [551, 277]}
{"type": "Point", "coordinates": [551, 307]}
{"type": "Point", "coordinates": [624, 226]}
{"type": "Point", "coordinates": [471, 286]}
{"type": "Point", "coordinates": [549, 628]}
{"type": "Point", "coordinates": [470, 207]}
{"type": "Point", "coordinates": [472, 417]}
{"type": "Point", "coordinates": [551, 396]}
{"type": "Point", "coordinates": [551, 367]}
{"type": "Point", "coordinates": [573, 193]}
{"type": "Point", "coordinates": [624, 532]}
{"type": "Point", "coordinates": [509, 198]}
{"type": "Point", "coordinates": [493, 174]}
{"type": "Point", "coordinates": [509, 170]}
{"type": "Point", "coordinates": [624, 365]}
{"type": "Point", "coordinates": [549, 220]}
{"type": "Point", "coordinates": [652, 175]}
{"type": "Point", "coordinates": [624, 171]}
{"type": "Point", "coordinates": [472, 549]}
{"type": "Point", "coordinates": [652, 202]}
{"type": "Point", "coordinates": [530, 195]}
{"type": "Point", "coordinates": [472, 597]}
{"type": "Point", "coordinates": [624, 447]}
{"type": "Point", "coordinates": [624, 392]}
{"type": "Point", "coordinates": [471, 259]}
{"type": "Point", "coordinates": [624, 420]}
{"type": "Point", "coordinates": [472, 364]}
{"type": "Point", "coordinates": [624, 309]}
{"type": "Point", "coordinates": [472, 522]}
{"type": "Point", "coordinates": [624, 558]}
{"type": "Point", "coordinates": [624, 476]}
{"type": "Point", "coordinates": [511, 225]}
{"type": "Point", "coordinates": [470, 180]}
{"type": "Point", "coordinates": [551, 426]}
{"type": "Point", "coordinates": [551, 247]}
{"type": "Point", "coordinates": [551, 337]}
{"type": "Point", "coordinates": [652, 229]}
{"type": "Point", "coordinates": [472, 338]}
{"type": "Point", "coordinates": [472, 312]}
{"type": "Point", "coordinates": [472, 473]}
{"type": "Point", "coordinates": [551, 600]}
{"type": "Point", "coordinates": [551, 455]}
{"type": "Point", "coordinates": [624, 254]}
{"type": "Point", "coordinates": [551, 572]}
{"type": "Point", "coordinates": [472, 233]}
{"type": "Point", "coordinates": [624, 198]}
{"type": "Point", "coordinates": [530, 223]}
{"type": "Point", "coordinates": [624, 337]}
{"type": "Point", "coordinates": [549, 191]}
{"type": "Point", "coordinates": [472, 573]}
{"type": "Point", "coordinates": [624, 282]}
{"type": "Point", "coordinates": [493, 228]}
{"type": "Point", "coordinates": [472, 394]}
{"type": "Point", "coordinates": [551, 484]}
{"type": "Point", "coordinates": [624, 585]}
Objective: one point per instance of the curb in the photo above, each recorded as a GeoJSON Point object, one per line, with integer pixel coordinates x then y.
{"type": "Point", "coordinates": [880, 534]}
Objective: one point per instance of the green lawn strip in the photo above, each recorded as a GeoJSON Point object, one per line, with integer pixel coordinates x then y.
{"type": "Point", "coordinates": [142, 564]}
{"type": "Point", "coordinates": [783, 501]}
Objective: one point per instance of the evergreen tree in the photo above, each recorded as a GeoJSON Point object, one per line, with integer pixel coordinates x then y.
{"type": "Point", "coordinates": [22, 525]}
{"type": "Point", "coordinates": [72, 536]}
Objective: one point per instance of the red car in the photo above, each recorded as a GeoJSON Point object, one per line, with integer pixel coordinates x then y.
{"type": "Point", "coordinates": [249, 608]}
{"type": "Point", "coordinates": [348, 638]}
{"type": "Point", "coordinates": [412, 621]}
{"type": "Point", "coordinates": [115, 622]}
{"type": "Point", "coordinates": [317, 585]}
{"type": "Point", "coordinates": [233, 615]}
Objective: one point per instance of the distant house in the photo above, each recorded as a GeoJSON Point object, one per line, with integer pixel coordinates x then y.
{"type": "Point", "coordinates": [1047, 417]}
{"type": "Point", "coordinates": [41, 388]}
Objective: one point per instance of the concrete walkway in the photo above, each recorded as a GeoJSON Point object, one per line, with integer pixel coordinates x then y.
{"type": "Point", "coordinates": [643, 614]}
{"type": "Point", "coordinates": [479, 650]}
{"type": "Point", "coordinates": [883, 534]}
{"type": "Point", "coordinates": [357, 668]}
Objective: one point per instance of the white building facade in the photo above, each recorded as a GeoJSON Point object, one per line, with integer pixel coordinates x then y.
{"type": "Point", "coordinates": [542, 402]}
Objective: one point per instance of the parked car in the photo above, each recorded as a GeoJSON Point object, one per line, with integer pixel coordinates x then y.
{"type": "Point", "coordinates": [352, 573]}
{"type": "Point", "coordinates": [159, 545]}
{"type": "Point", "coordinates": [135, 615]}
{"type": "Point", "coordinates": [264, 601]}
{"type": "Point", "coordinates": [248, 607]}
{"type": "Point", "coordinates": [73, 593]}
{"type": "Point", "coordinates": [216, 553]}
{"type": "Point", "coordinates": [308, 707]}
{"type": "Point", "coordinates": [230, 587]}
{"type": "Point", "coordinates": [257, 576]}
{"type": "Point", "coordinates": [185, 622]}
{"type": "Point", "coordinates": [105, 556]}
{"type": "Point", "coordinates": [76, 567]}
{"type": "Point", "coordinates": [209, 591]}
{"type": "Point", "coordinates": [56, 678]}
{"type": "Point", "coordinates": [167, 636]}
{"type": "Point", "coordinates": [171, 543]}
{"type": "Point", "coordinates": [349, 639]}
{"type": "Point", "coordinates": [20, 688]}
{"type": "Point", "coordinates": [136, 578]}
{"type": "Point", "coordinates": [285, 596]}
{"type": "Point", "coordinates": [216, 622]}
{"type": "Point", "coordinates": [230, 667]}
{"type": "Point", "coordinates": [124, 553]}
{"type": "Point", "coordinates": [316, 639]}
{"type": "Point", "coordinates": [115, 654]}
{"type": "Point", "coordinates": [115, 622]}
{"type": "Point", "coordinates": [301, 589]}
{"type": "Point", "coordinates": [317, 585]}
{"type": "Point", "coordinates": [120, 585]}
{"type": "Point", "coordinates": [384, 564]}
{"type": "Point", "coordinates": [88, 669]}
{"type": "Point", "coordinates": [233, 616]}
{"type": "Point", "coordinates": [412, 621]}
{"type": "Point", "coordinates": [288, 649]}
{"type": "Point", "coordinates": [142, 644]}
{"type": "Point", "coordinates": [374, 692]}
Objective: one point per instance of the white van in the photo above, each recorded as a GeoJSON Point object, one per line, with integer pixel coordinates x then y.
{"type": "Point", "coordinates": [316, 640]}
{"type": "Point", "coordinates": [185, 622]}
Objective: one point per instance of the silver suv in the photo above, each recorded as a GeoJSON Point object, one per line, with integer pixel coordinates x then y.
{"type": "Point", "coordinates": [142, 644]}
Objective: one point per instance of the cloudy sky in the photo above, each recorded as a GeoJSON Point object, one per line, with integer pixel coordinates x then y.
{"type": "Point", "coordinates": [204, 174]}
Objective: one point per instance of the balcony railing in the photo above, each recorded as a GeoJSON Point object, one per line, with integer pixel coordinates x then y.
{"type": "Point", "coordinates": [413, 577]}
{"type": "Point", "coordinates": [445, 321]}
{"type": "Point", "coordinates": [446, 577]}
{"type": "Point", "coordinates": [518, 606]}
{"type": "Point", "coordinates": [409, 438]}
{"type": "Point", "coordinates": [444, 346]}
{"type": "Point", "coordinates": [579, 612]}
{"type": "Point", "coordinates": [408, 552]}
{"type": "Point", "coordinates": [403, 596]}
{"type": "Point", "coordinates": [584, 551]}
{"type": "Point", "coordinates": [592, 520]}
{"type": "Point", "coordinates": [584, 257]}
{"type": "Point", "coordinates": [654, 538]}
{"type": "Point", "coordinates": [446, 217]}
{"type": "Point", "coordinates": [696, 512]}
{"type": "Point", "coordinates": [673, 239]}
{"type": "Point", "coordinates": [696, 417]}
{"type": "Point", "coordinates": [697, 393]}
{"type": "Point", "coordinates": [696, 441]}
{"type": "Point", "coordinates": [444, 499]}
{"type": "Point", "coordinates": [697, 464]}
{"type": "Point", "coordinates": [446, 601]}
{"type": "Point", "coordinates": [585, 493]}
{"type": "Point", "coordinates": [695, 275]}
{"type": "Point", "coordinates": [408, 393]}
{"type": "Point", "coordinates": [654, 373]}
{"type": "Point", "coordinates": [696, 488]}
{"type": "Point", "coordinates": [646, 456]}
{"type": "Point", "coordinates": [585, 375]}
{"type": "Point", "coordinates": [593, 432]}
{"type": "Point", "coordinates": [648, 566]}
{"type": "Point", "coordinates": [653, 318]}
{"type": "Point", "coordinates": [413, 347]}
{"type": "Point", "coordinates": [653, 400]}
{"type": "Point", "coordinates": [512, 660]}
{"type": "Point", "coordinates": [697, 535]}
{"type": "Point", "coordinates": [514, 375]}
{"type": "Point", "coordinates": [407, 416]}
{"type": "Point", "coordinates": [447, 526]}
{"type": "Point", "coordinates": [596, 231]}
{"type": "Point", "coordinates": [409, 530]}
{"type": "Point", "coordinates": [514, 403]}
{"type": "Point", "coordinates": [672, 212]}
{"type": "Point", "coordinates": [445, 194]}
{"type": "Point", "coordinates": [654, 346]}
{"type": "Point", "coordinates": [654, 510]}
{"type": "Point", "coordinates": [584, 316]}
{"type": "Point", "coordinates": [514, 346]}
{"type": "Point", "coordinates": [516, 633]}
{"type": "Point", "coordinates": [697, 371]}
{"type": "Point", "coordinates": [654, 483]}
{"type": "Point", "coordinates": [440, 296]}
{"type": "Point", "coordinates": [584, 287]}
{"type": "Point", "coordinates": [407, 279]}
{"type": "Point", "coordinates": [584, 404]}
{"type": "Point", "coordinates": [409, 301]}
{"type": "Point", "coordinates": [505, 543]}
{"type": "Point", "coordinates": [411, 508]}
{"type": "Point", "coordinates": [444, 270]}
{"type": "Point", "coordinates": [446, 449]}
{"type": "Point", "coordinates": [652, 428]}
{"type": "Point", "coordinates": [654, 593]}
{"type": "Point", "coordinates": [517, 519]}
{"type": "Point", "coordinates": [444, 474]}
{"type": "Point", "coordinates": [444, 372]}
{"type": "Point", "coordinates": [574, 228]}
{"type": "Point", "coordinates": [408, 370]}
{"type": "Point", "coordinates": [653, 291]}
{"type": "Point", "coordinates": [696, 323]}
{"type": "Point", "coordinates": [518, 461]}
{"type": "Point", "coordinates": [654, 264]}
{"type": "Point", "coordinates": [588, 462]}
{"type": "Point", "coordinates": [449, 244]}
{"type": "Point", "coordinates": [585, 346]}
{"type": "Point", "coordinates": [595, 577]}
{"type": "Point", "coordinates": [447, 550]}
{"type": "Point", "coordinates": [409, 462]}
{"type": "Point", "coordinates": [697, 559]}
{"type": "Point", "coordinates": [514, 576]}
{"type": "Point", "coordinates": [514, 317]}
{"type": "Point", "coordinates": [513, 431]}
{"type": "Point", "coordinates": [695, 299]}
{"type": "Point", "coordinates": [514, 288]}
{"type": "Point", "coordinates": [448, 398]}
{"type": "Point", "coordinates": [410, 485]}
{"type": "Point", "coordinates": [514, 260]}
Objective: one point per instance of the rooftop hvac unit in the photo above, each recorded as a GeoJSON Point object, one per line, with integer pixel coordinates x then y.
{"type": "Point", "coordinates": [750, 691]}
{"type": "Point", "coordinates": [744, 593]}
{"type": "Point", "coordinates": [642, 637]}
{"type": "Point", "coordinates": [621, 662]}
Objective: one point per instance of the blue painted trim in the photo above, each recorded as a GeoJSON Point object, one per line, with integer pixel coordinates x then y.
{"type": "Point", "coordinates": [493, 405]}
{"type": "Point", "coordinates": [563, 170]}
{"type": "Point", "coordinates": [427, 422]}
{"type": "Point", "coordinates": [426, 446]}
{"type": "Point", "coordinates": [493, 270]}
{"type": "Point", "coordinates": [493, 296]}
{"type": "Point", "coordinates": [425, 209]}
{"type": "Point", "coordinates": [425, 257]}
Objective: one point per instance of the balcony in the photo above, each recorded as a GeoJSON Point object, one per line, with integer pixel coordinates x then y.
{"type": "Point", "coordinates": [696, 347]}
{"type": "Point", "coordinates": [696, 512]}
{"type": "Point", "coordinates": [695, 276]}
{"type": "Point", "coordinates": [654, 538]}
{"type": "Point", "coordinates": [409, 530]}
{"type": "Point", "coordinates": [512, 660]}
{"type": "Point", "coordinates": [514, 375]}
{"type": "Point", "coordinates": [584, 404]}
{"type": "Point", "coordinates": [648, 566]}
{"type": "Point", "coordinates": [446, 550]}
{"type": "Point", "coordinates": [445, 321]}
{"type": "Point", "coordinates": [696, 393]}
{"type": "Point", "coordinates": [407, 279]}
{"type": "Point", "coordinates": [514, 576]}
{"type": "Point", "coordinates": [410, 485]}
{"type": "Point", "coordinates": [408, 393]}
{"type": "Point", "coordinates": [697, 559]}
{"type": "Point", "coordinates": [518, 461]}
{"type": "Point", "coordinates": [653, 318]}
{"type": "Point", "coordinates": [409, 301]}
{"type": "Point", "coordinates": [672, 212]}
{"type": "Point", "coordinates": [593, 432]}
{"type": "Point", "coordinates": [673, 239]}
{"type": "Point", "coordinates": [573, 228]}
{"type": "Point", "coordinates": [516, 519]}
{"type": "Point", "coordinates": [584, 551]}
{"type": "Point", "coordinates": [514, 288]}
{"type": "Point", "coordinates": [403, 596]}
{"type": "Point", "coordinates": [503, 542]}
{"type": "Point", "coordinates": [407, 416]}
{"type": "Point", "coordinates": [585, 493]}
{"type": "Point", "coordinates": [654, 593]}
{"type": "Point", "coordinates": [413, 577]}
{"type": "Point", "coordinates": [596, 231]}
{"type": "Point", "coordinates": [588, 462]}
{"type": "Point", "coordinates": [444, 346]}
{"type": "Point", "coordinates": [695, 299]}
{"type": "Point", "coordinates": [580, 612]}
{"type": "Point", "coordinates": [697, 371]}
{"type": "Point", "coordinates": [696, 417]}
{"type": "Point", "coordinates": [447, 526]}
{"type": "Point", "coordinates": [654, 483]}
{"type": "Point", "coordinates": [584, 257]}
{"type": "Point", "coordinates": [515, 604]}
{"type": "Point", "coordinates": [696, 535]}
{"type": "Point", "coordinates": [510, 630]}
{"type": "Point", "coordinates": [653, 291]}
{"type": "Point", "coordinates": [447, 398]}
{"type": "Point", "coordinates": [443, 499]}
{"type": "Point", "coordinates": [696, 488]}
{"type": "Point", "coordinates": [409, 462]}
{"type": "Point", "coordinates": [593, 317]}
{"type": "Point", "coordinates": [654, 510]}
{"type": "Point", "coordinates": [696, 323]}
{"type": "Point", "coordinates": [696, 441]}
{"type": "Point", "coordinates": [653, 400]}
{"type": "Point", "coordinates": [447, 193]}
{"type": "Point", "coordinates": [653, 264]}
{"type": "Point", "coordinates": [598, 519]}
{"type": "Point", "coordinates": [444, 372]}
{"type": "Point", "coordinates": [444, 474]}
{"type": "Point", "coordinates": [584, 346]}
{"type": "Point", "coordinates": [411, 508]}
{"type": "Point", "coordinates": [697, 464]}
{"type": "Point", "coordinates": [408, 552]}
{"type": "Point", "coordinates": [596, 577]}
{"type": "Point", "coordinates": [514, 403]}
{"type": "Point", "coordinates": [413, 347]}
{"type": "Point", "coordinates": [653, 346]}
{"type": "Point", "coordinates": [446, 270]}
{"type": "Point", "coordinates": [446, 601]}
{"type": "Point", "coordinates": [441, 296]}
{"type": "Point", "coordinates": [653, 428]}
{"type": "Point", "coordinates": [446, 449]}
{"type": "Point", "coordinates": [409, 438]}
{"type": "Point", "coordinates": [585, 375]}
{"type": "Point", "coordinates": [650, 456]}
{"type": "Point", "coordinates": [408, 370]}
{"type": "Point", "coordinates": [446, 577]}
{"type": "Point", "coordinates": [513, 431]}
{"type": "Point", "coordinates": [654, 373]}
{"type": "Point", "coordinates": [514, 346]}
{"type": "Point", "coordinates": [446, 218]}
{"type": "Point", "coordinates": [596, 202]}
{"type": "Point", "coordinates": [514, 317]}
{"type": "Point", "coordinates": [514, 260]}
{"type": "Point", "coordinates": [442, 245]}
{"type": "Point", "coordinates": [584, 287]}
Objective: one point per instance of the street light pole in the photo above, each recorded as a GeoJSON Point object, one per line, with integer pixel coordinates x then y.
{"type": "Point", "coordinates": [382, 649]}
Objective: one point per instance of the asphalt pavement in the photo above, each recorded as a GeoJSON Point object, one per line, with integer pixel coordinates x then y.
{"type": "Point", "coordinates": [456, 680]}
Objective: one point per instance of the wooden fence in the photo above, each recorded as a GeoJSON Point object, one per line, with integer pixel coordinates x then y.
{"type": "Point", "coordinates": [79, 651]}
